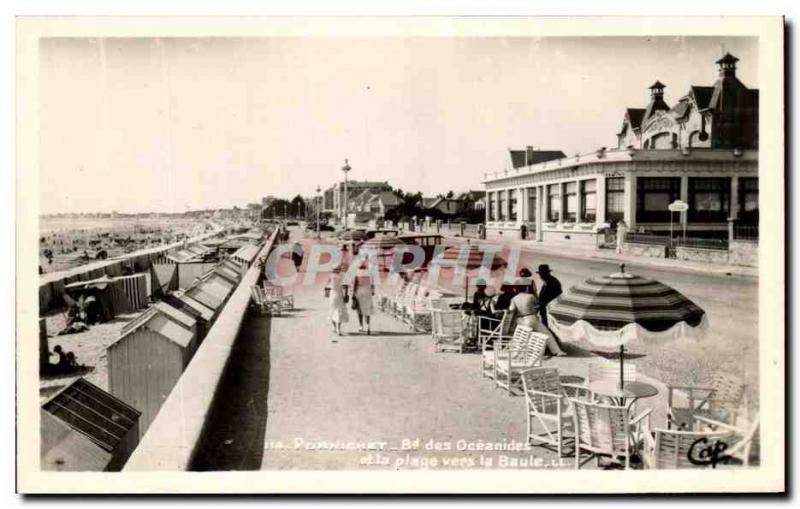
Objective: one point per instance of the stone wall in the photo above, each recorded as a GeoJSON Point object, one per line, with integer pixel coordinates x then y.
{"type": "Point", "coordinates": [701, 255]}
{"type": "Point", "coordinates": [651, 250]}
{"type": "Point", "coordinates": [577, 235]}
{"type": "Point", "coordinates": [744, 252]}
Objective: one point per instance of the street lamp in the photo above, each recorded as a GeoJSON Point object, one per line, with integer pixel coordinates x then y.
{"type": "Point", "coordinates": [319, 204]}
{"type": "Point", "coordinates": [346, 169]}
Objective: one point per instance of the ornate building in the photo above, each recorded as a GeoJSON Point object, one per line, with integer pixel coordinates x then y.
{"type": "Point", "coordinates": [703, 151]}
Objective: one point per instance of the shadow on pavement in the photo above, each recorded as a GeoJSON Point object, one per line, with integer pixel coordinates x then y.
{"type": "Point", "coordinates": [234, 438]}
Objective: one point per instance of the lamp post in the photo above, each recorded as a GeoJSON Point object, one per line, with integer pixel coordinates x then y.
{"type": "Point", "coordinates": [346, 169]}
{"type": "Point", "coordinates": [319, 204]}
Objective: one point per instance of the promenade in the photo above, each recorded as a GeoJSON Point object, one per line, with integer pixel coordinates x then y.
{"type": "Point", "coordinates": [387, 400]}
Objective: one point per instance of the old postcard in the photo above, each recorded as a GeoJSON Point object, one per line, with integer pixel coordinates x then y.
{"type": "Point", "coordinates": [400, 255]}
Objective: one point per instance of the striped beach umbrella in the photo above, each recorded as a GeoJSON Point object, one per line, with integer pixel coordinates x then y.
{"type": "Point", "coordinates": [470, 258]}
{"type": "Point", "coordinates": [612, 311]}
{"type": "Point", "coordinates": [384, 246]}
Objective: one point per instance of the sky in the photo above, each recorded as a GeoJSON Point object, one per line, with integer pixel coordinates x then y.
{"type": "Point", "coordinates": [169, 125]}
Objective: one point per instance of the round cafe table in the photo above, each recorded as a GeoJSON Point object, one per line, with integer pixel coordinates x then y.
{"type": "Point", "coordinates": [620, 395]}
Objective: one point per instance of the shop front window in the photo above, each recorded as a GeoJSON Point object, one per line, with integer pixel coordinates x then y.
{"type": "Point", "coordinates": [615, 199]}
{"type": "Point", "coordinates": [588, 201]}
{"type": "Point", "coordinates": [748, 200]}
{"type": "Point", "coordinates": [512, 205]}
{"type": "Point", "coordinates": [554, 203]}
{"type": "Point", "coordinates": [571, 202]}
{"type": "Point", "coordinates": [653, 196]}
{"type": "Point", "coordinates": [490, 210]}
{"type": "Point", "coordinates": [709, 199]}
{"type": "Point", "coordinates": [501, 204]}
{"type": "Point", "coordinates": [531, 204]}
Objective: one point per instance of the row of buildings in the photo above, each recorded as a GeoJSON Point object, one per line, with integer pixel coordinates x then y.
{"type": "Point", "coordinates": [368, 200]}
{"type": "Point", "coordinates": [703, 150]}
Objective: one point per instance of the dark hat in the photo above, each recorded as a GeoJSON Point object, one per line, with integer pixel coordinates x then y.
{"type": "Point", "coordinates": [480, 282]}
{"type": "Point", "coordinates": [525, 272]}
{"type": "Point", "coordinates": [543, 269]}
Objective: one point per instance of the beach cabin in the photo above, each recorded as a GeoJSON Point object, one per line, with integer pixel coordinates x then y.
{"type": "Point", "coordinates": [84, 428]}
{"type": "Point", "coordinates": [245, 255]}
{"type": "Point", "coordinates": [212, 290]}
{"type": "Point", "coordinates": [203, 315]}
{"type": "Point", "coordinates": [229, 271]}
{"type": "Point", "coordinates": [148, 358]}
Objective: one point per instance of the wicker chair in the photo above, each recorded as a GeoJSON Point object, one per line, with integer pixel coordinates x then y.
{"type": "Point", "coordinates": [448, 330]}
{"type": "Point", "coordinates": [674, 449]}
{"type": "Point", "coordinates": [745, 447]}
{"type": "Point", "coordinates": [263, 303]}
{"type": "Point", "coordinates": [724, 400]}
{"type": "Point", "coordinates": [605, 430]}
{"type": "Point", "coordinates": [549, 408]}
{"type": "Point", "coordinates": [503, 346]}
{"type": "Point", "coordinates": [491, 331]}
{"type": "Point", "coordinates": [276, 293]}
{"type": "Point", "coordinates": [509, 364]}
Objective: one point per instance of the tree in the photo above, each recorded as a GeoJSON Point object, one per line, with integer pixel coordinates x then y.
{"type": "Point", "coordinates": [297, 206]}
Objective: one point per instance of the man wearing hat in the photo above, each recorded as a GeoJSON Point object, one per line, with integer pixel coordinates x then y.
{"type": "Point", "coordinates": [480, 296]}
{"type": "Point", "coordinates": [551, 289]}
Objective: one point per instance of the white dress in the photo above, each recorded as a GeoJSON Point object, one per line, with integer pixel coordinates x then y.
{"type": "Point", "coordinates": [363, 293]}
{"type": "Point", "coordinates": [337, 306]}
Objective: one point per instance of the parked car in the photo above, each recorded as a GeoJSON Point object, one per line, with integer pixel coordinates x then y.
{"type": "Point", "coordinates": [323, 227]}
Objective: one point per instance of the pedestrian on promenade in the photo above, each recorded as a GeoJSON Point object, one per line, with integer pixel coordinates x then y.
{"type": "Point", "coordinates": [524, 308]}
{"type": "Point", "coordinates": [337, 301]}
{"type": "Point", "coordinates": [297, 255]}
{"type": "Point", "coordinates": [622, 229]}
{"type": "Point", "coordinates": [551, 289]}
{"type": "Point", "coordinates": [363, 291]}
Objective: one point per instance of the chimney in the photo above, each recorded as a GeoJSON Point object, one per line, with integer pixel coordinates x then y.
{"type": "Point", "coordinates": [528, 155]}
{"type": "Point", "coordinates": [727, 66]}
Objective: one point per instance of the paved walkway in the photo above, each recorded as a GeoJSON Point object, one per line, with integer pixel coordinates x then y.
{"type": "Point", "coordinates": [387, 400]}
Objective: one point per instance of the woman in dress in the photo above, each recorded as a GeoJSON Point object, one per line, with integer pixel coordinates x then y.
{"type": "Point", "coordinates": [337, 301]}
{"type": "Point", "coordinates": [524, 309]}
{"type": "Point", "coordinates": [363, 291]}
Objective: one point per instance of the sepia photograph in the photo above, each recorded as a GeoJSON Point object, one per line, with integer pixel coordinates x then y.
{"type": "Point", "coordinates": [400, 255]}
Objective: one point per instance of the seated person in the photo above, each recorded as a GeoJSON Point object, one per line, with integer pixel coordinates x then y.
{"type": "Point", "coordinates": [500, 304]}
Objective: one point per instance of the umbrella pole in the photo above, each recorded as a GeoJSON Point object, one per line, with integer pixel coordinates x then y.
{"type": "Point", "coordinates": [621, 366]}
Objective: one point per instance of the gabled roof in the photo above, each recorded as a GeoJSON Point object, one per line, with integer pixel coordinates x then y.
{"type": "Point", "coordinates": [176, 314]}
{"type": "Point", "coordinates": [682, 108]}
{"type": "Point", "coordinates": [93, 413]}
{"type": "Point", "coordinates": [427, 202]}
{"type": "Point", "coordinates": [635, 116]}
{"type": "Point", "coordinates": [657, 104]}
{"type": "Point", "coordinates": [247, 252]}
{"type": "Point", "coordinates": [472, 196]}
{"type": "Point", "coordinates": [387, 198]}
{"type": "Point", "coordinates": [164, 320]}
{"type": "Point", "coordinates": [205, 312]}
{"type": "Point", "coordinates": [518, 159]}
{"type": "Point", "coordinates": [701, 95]}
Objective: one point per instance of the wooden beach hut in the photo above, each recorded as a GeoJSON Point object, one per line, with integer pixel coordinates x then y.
{"type": "Point", "coordinates": [148, 358]}
{"type": "Point", "coordinates": [84, 428]}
